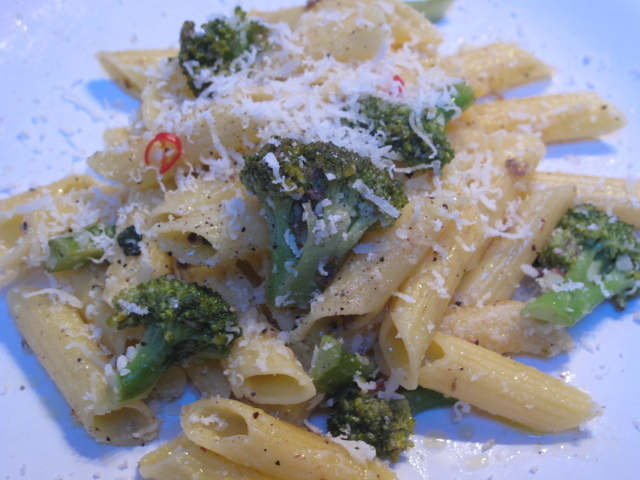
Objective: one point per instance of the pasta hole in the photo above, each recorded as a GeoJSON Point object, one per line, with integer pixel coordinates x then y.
{"type": "Point", "coordinates": [434, 352]}
{"type": "Point", "coordinates": [248, 271]}
{"type": "Point", "coordinates": [129, 425]}
{"type": "Point", "coordinates": [274, 388]}
{"type": "Point", "coordinates": [396, 347]}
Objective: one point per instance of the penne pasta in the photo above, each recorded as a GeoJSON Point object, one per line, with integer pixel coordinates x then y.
{"type": "Point", "coordinates": [262, 368]}
{"type": "Point", "coordinates": [186, 460]}
{"type": "Point", "coordinates": [128, 68]}
{"type": "Point", "coordinates": [496, 67]}
{"type": "Point", "coordinates": [209, 378]}
{"type": "Point", "coordinates": [499, 327]}
{"type": "Point", "coordinates": [253, 439]}
{"type": "Point", "coordinates": [417, 308]}
{"type": "Point", "coordinates": [504, 387]}
{"type": "Point", "coordinates": [71, 353]}
{"type": "Point", "coordinates": [557, 118]}
{"type": "Point", "coordinates": [618, 196]}
{"type": "Point", "coordinates": [500, 269]}
{"type": "Point", "coordinates": [368, 279]}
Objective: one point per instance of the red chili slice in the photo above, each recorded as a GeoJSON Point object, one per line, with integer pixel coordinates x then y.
{"type": "Point", "coordinates": [170, 146]}
{"type": "Point", "coordinates": [398, 79]}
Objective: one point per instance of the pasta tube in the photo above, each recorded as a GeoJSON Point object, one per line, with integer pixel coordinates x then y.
{"type": "Point", "coordinates": [496, 67]}
{"type": "Point", "coordinates": [499, 271]}
{"type": "Point", "coordinates": [70, 352]}
{"type": "Point", "coordinates": [185, 460]}
{"type": "Point", "coordinates": [558, 118]}
{"type": "Point", "coordinates": [503, 387]}
{"type": "Point", "coordinates": [500, 327]}
{"type": "Point", "coordinates": [263, 368]}
{"type": "Point", "coordinates": [383, 260]}
{"type": "Point", "coordinates": [250, 437]}
{"type": "Point", "coordinates": [416, 309]}
{"type": "Point", "coordinates": [128, 67]}
{"type": "Point", "coordinates": [617, 196]}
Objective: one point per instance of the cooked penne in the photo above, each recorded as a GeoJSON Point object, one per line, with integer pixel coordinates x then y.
{"type": "Point", "coordinates": [171, 385]}
{"type": "Point", "coordinates": [503, 387]}
{"type": "Point", "coordinates": [128, 68]}
{"type": "Point", "coordinates": [183, 459]}
{"type": "Point", "coordinates": [558, 118]}
{"type": "Point", "coordinates": [262, 368]}
{"type": "Point", "coordinates": [253, 439]}
{"type": "Point", "coordinates": [209, 378]}
{"type": "Point", "coordinates": [499, 271]}
{"type": "Point", "coordinates": [214, 233]}
{"type": "Point", "coordinates": [368, 279]}
{"type": "Point", "coordinates": [492, 168]}
{"type": "Point", "coordinates": [618, 196]}
{"type": "Point", "coordinates": [70, 351]}
{"type": "Point", "coordinates": [499, 327]}
{"type": "Point", "coordinates": [496, 67]}
{"type": "Point", "coordinates": [417, 307]}
{"type": "Point", "coordinates": [29, 220]}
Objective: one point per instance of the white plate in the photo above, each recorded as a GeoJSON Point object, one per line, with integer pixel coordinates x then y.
{"type": "Point", "coordinates": [55, 102]}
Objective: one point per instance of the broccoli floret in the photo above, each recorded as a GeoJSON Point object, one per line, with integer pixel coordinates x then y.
{"type": "Point", "coordinates": [213, 50]}
{"type": "Point", "coordinates": [129, 240]}
{"type": "Point", "coordinates": [78, 248]}
{"type": "Point", "coordinates": [406, 131]}
{"type": "Point", "coordinates": [362, 415]}
{"type": "Point", "coordinates": [182, 320]}
{"type": "Point", "coordinates": [601, 259]}
{"type": "Point", "coordinates": [319, 199]}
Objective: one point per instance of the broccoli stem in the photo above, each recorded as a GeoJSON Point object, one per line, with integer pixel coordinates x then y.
{"type": "Point", "coordinates": [434, 10]}
{"type": "Point", "coordinates": [320, 252]}
{"type": "Point", "coordinates": [281, 250]}
{"type": "Point", "coordinates": [145, 368]}
{"type": "Point", "coordinates": [463, 99]}
{"type": "Point", "coordinates": [77, 249]}
{"type": "Point", "coordinates": [335, 367]}
{"type": "Point", "coordinates": [566, 307]}
{"type": "Point", "coordinates": [422, 399]}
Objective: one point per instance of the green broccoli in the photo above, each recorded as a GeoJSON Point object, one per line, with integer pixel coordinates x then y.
{"type": "Point", "coordinates": [183, 321]}
{"type": "Point", "coordinates": [434, 10]}
{"type": "Point", "coordinates": [601, 259]}
{"type": "Point", "coordinates": [319, 199]}
{"type": "Point", "coordinates": [78, 248]}
{"type": "Point", "coordinates": [334, 367]}
{"type": "Point", "coordinates": [214, 50]}
{"type": "Point", "coordinates": [129, 240]}
{"type": "Point", "coordinates": [394, 120]}
{"type": "Point", "coordinates": [362, 415]}
{"type": "Point", "coordinates": [422, 399]}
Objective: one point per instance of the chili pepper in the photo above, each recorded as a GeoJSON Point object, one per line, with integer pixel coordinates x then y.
{"type": "Point", "coordinates": [169, 145]}
{"type": "Point", "coordinates": [400, 87]}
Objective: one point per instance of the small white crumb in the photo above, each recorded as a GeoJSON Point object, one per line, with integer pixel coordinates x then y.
{"type": "Point", "coordinates": [488, 445]}
{"type": "Point", "coordinates": [460, 408]}
{"type": "Point", "coordinates": [529, 271]}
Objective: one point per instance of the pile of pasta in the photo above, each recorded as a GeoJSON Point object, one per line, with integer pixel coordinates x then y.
{"type": "Point", "coordinates": [430, 298]}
